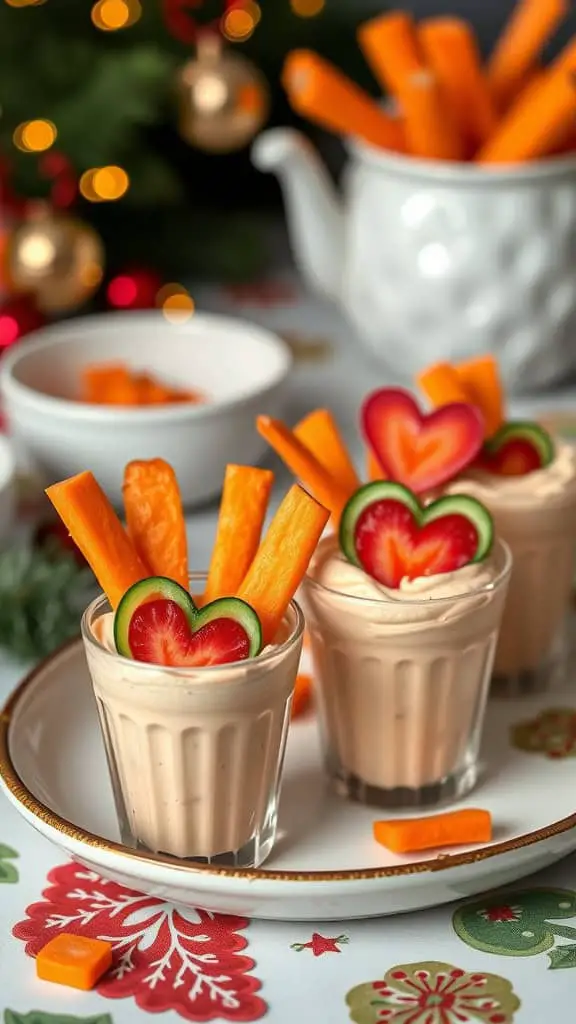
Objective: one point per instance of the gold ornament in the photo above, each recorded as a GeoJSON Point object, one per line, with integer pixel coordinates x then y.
{"type": "Point", "coordinates": [56, 258]}
{"type": "Point", "coordinates": [223, 99]}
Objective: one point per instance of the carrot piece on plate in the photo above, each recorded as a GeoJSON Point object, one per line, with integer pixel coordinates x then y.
{"type": "Point", "coordinates": [74, 961]}
{"type": "Point", "coordinates": [242, 512]}
{"type": "Point", "coordinates": [302, 695]}
{"type": "Point", "coordinates": [297, 457]}
{"type": "Point", "coordinates": [98, 533]}
{"type": "Point", "coordinates": [320, 433]}
{"type": "Point", "coordinates": [282, 558]}
{"type": "Point", "coordinates": [155, 519]}
{"type": "Point", "coordinates": [452, 828]}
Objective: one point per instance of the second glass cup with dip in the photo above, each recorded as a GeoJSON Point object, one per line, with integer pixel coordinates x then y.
{"type": "Point", "coordinates": [536, 515]}
{"type": "Point", "coordinates": [195, 754]}
{"type": "Point", "coordinates": [403, 675]}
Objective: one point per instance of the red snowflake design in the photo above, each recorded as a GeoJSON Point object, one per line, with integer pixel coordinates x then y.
{"type": "Point", "coordinates": [167, 957]}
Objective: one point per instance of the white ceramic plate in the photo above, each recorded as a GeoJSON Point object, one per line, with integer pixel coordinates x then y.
{"type": "Point", "coordinates": [326, 864]}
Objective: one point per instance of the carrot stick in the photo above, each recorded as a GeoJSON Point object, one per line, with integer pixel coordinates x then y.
{"type": "Point", "coordinates": [452, 828]}
{"type": "Point", "coordinates": [282, 558]}
{"type": "Point", "coordinates": [302, 695]}
{"type": "Point", "coordinates": [449, 46]}
{"type": "Point", "coordinates": [390, 46]}
{"type": "Point", "coordinates": [442, 385]}
{"type": "Point", "coordinates": [155, 519]}
{"type": "Point", "coordinates": [429, 129]}
{"type": "Point", "coordinates": [374, 470]}
{"type": "Point", "coordinates": [320, 92]}
{"type": "Point", "coordinates": [325, 488]}
{"type": "Point", "coordinates": [481, 379]}
{"type": "Point", "coordinates": [539, 119]}
{"type": "Point", "coordinates": [532, 23]}
{"type": "Point", "coordinates": [74, 960]}
{"type": "Point", "coordinates": [242, 512]}
{"type": "Point", "coordinates": [319, 432]}
{"type": "Point", "coordinates": [98, 533]}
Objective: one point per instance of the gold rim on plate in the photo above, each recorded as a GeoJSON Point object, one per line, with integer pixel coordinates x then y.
{"type": "Point", "coordinates": [23, 796]}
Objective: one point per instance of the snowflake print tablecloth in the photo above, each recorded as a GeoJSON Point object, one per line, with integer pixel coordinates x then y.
{"type": "Point", "coordinates": [504, 958]}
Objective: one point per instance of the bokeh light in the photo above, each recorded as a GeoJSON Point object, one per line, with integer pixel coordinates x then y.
{"type": "Point", "coordinates": [25, 3]}
{"type": "Point", "coordinates": [122, 291]}
{"type": "Point", "coordinates": [9, 328]}
{"type": "Point", "coordinates": [175, 302]}
{"type": "Point", "coordinates": [104, 184]}
{"type": "Point", "coordinates": [37, 252]}
{"type": "Point", "coordinates": [111, 15]}
{"type": "Point", "coordinates": [307, 8]}
{"type": "Point", "coordinates": [239, 23]}
{"type": "Point", "coordinates": [35, 136]}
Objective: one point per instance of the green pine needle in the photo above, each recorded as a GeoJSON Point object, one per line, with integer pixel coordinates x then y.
{"type": "Point", "coordinates": [43, 592]}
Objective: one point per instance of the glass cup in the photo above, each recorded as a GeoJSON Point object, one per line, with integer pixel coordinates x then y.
{"type": "Point", "coordinates": [402, 694]}
{"type": "Point", "coordinates": [532, 651]}
{"type": "Point", "coordinates": [195, 754]}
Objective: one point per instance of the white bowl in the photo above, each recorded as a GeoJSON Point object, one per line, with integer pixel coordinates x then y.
{"type": "Point", "coordinates": [7, 488]}
{"type": "Point", "coordinates": [240, 367]}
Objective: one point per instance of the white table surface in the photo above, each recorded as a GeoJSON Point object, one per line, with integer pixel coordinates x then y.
{"type": "Point", "coordinates": [296, 985]}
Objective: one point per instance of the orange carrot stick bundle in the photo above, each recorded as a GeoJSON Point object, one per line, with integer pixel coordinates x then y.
{"type": "Point", "coordinates": [539, 119]}
{"type": "Point", "coordinates": [390, 46]}
{"type": "Point", "coordinates": [450, 49]}
{"type": "Point", "coordinates": [282, 558]}
{"type": "Point", "coordinates": [243, 508]}
{"type": "Point", "coordinates": [451, 828]}
{"type": "Point", "coordinates": [98, 533]}
{"type": "Point", "coordinates": [155, 519]}
{"type": "Point", "coordinates": [319, 432]}
{"type": "Point", "coordinates": [429, 129]}
{"type": "Point", "coordinates": [320, 92]}
{"type": "Point", "coordinates": [532, 24]}
{"type": "Point", "coordinates": [300, 461]}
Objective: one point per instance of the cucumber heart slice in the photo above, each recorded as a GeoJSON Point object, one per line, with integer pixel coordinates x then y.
{"type": "Point", "coordinates": [154, 588]}
{"type": "Point", "coordinates": [227, 610]}
{"type": "Point", "coordinates": [379, 490]}
{"type": "Point", "coordinates": [469, 508]}
{"type": "Point", "coordinates": [528, 432]}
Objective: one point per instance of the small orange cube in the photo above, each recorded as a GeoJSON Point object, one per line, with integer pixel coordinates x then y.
{"type": "Point", "coordinates": [74, 961]}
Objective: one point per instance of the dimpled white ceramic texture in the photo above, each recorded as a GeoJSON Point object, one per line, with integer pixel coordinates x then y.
{"type": "Point", "coordinates": [326, 864]}
{"type": "Point", "coordinates": [435, 261]}
{"type": "Point", "coordinates": [241, 368]}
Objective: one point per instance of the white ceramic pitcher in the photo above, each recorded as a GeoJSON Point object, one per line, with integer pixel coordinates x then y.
{"type": "Point", "coordinates": [435, 261]}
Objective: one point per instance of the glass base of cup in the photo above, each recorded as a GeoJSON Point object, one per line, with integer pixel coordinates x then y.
{"type": "Point", "coordinates": [552, 672]}
{"type": "Point", "coordinates": [434, 795]}
{"type": "Point", "coordinates": [251, 855]}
